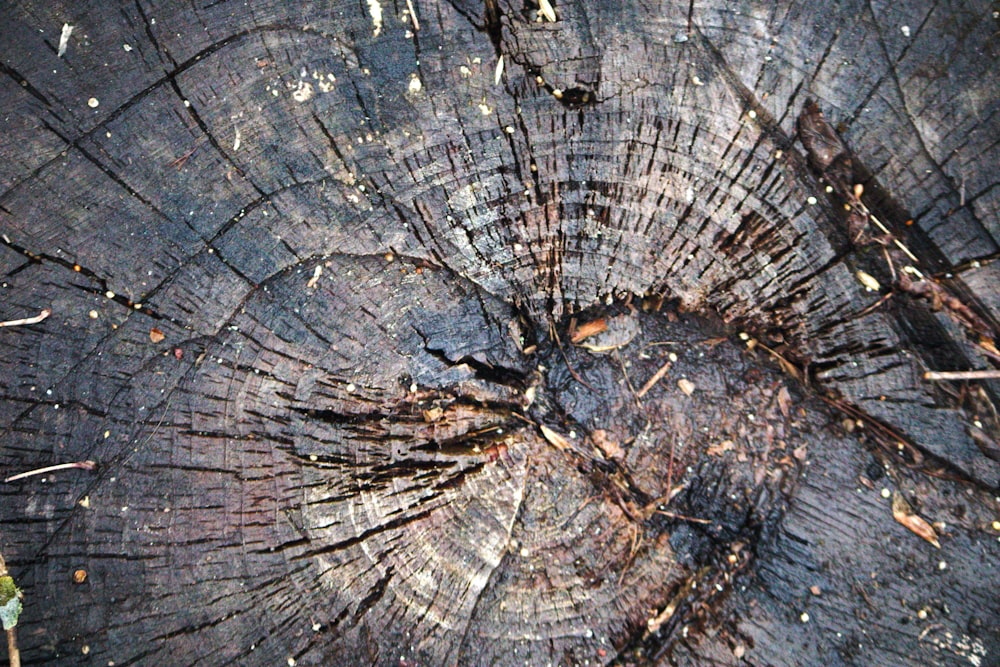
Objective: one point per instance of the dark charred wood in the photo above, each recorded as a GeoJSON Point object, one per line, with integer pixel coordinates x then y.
{"type": "Point", "coordinates": [443, 333]}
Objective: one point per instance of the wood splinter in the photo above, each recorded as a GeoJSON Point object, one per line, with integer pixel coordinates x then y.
{"type": "Point", "coordinates": [963, 375]}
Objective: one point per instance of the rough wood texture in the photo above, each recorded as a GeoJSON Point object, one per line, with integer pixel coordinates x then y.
{"type": "Point", "coordinates": [314, 276]}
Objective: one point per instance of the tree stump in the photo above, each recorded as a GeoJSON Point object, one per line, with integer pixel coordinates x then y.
{"type": "Point", "coordinates": [496, 333]}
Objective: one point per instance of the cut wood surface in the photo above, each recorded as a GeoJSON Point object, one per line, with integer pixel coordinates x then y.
{"type": "Point", "coordinates": [497, 333]}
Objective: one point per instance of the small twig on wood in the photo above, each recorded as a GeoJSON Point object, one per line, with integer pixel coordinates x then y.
{"type": "Point", "coordinates": [628, 382]}
{"type": "Point", "coordinates": [962, 375]}
{"type": "Point", "coordinates": [651, 382]}
{"type": "Point", "coordinates": [883, 434]}
{"type": "Point", "coordinates": [875, 305]}
{"type": "Point", "coordinates": [28, 320]}
{"type": "Point", "coordinates": [182, 160]}
{"type": "Point", "coordinates": [885, 230]}
{"type": "Point", "coordinates": [413, 15]}
{"type": "Point", "coordinates": [683, 517]}
{"type": "Point", "coordinates": [82, 465]}
{"type": "Point", "coordinates": [569, 366]}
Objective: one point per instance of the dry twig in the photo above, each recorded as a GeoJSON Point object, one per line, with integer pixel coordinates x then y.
{"type": "Point", "coordinates": [27, 320]}
{"type": "Point", "coordinates": [82, 465]}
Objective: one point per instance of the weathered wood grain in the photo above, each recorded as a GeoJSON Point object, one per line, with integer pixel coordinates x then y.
{"type": "Point", "coordinates": [366, 257]}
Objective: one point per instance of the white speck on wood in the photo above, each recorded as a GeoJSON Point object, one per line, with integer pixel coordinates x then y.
{"type": "Point", "coordinates": [303, 92]}
{"type": "Point", "coordinates": [237, 140]}
{"type": "Point", "coordinates": [415, 84]}
{"type": "Point", "coordinates": [67, 30]}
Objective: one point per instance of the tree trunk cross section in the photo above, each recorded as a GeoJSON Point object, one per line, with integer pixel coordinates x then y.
{"type": "Point", "coordinates": [468, 333]}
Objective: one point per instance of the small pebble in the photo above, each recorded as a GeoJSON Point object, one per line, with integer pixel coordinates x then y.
{"type": "Point", "coordinates": [92, 102]}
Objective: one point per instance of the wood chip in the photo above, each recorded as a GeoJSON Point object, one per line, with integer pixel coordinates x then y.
{"type": "Point", "coordinates": [317, 272]}
{"type": "Point", "coordinates": [686, 386]}
{"type": "Point", "coordinates": [869, 281]}
{"type": "Point", "coordinates": [375, 9]}
{"type": "Point", "coordinates": [67, 30]}
{"type": "Point", "coordinates": [588, 329]}
{"type": "Point", "coordinates": [556, 440]}
{"type": "Point", "coordinates": [545, 9]}
{"type": "Point", "coordinates": [904, 514]}
{"type": "Point", "coordinates": [155, 335]}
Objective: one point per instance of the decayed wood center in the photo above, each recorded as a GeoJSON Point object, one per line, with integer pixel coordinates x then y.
{"type": "Point", "coordinates": [436, 333]}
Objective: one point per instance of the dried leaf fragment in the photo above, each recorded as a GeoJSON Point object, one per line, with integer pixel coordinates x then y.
{"type": "Point", "coordinates": [555, 439]}
{"type": "Point", "coordinates": [610, 448]}
{"type": "Point", "coordinates": [721, 448]}
{"type": "Point", "coordinates": [904, 514]}
{"type": "Point", "coordinates": [155, 335]}
{"type": "Point", "coordinates": [784, 402]}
